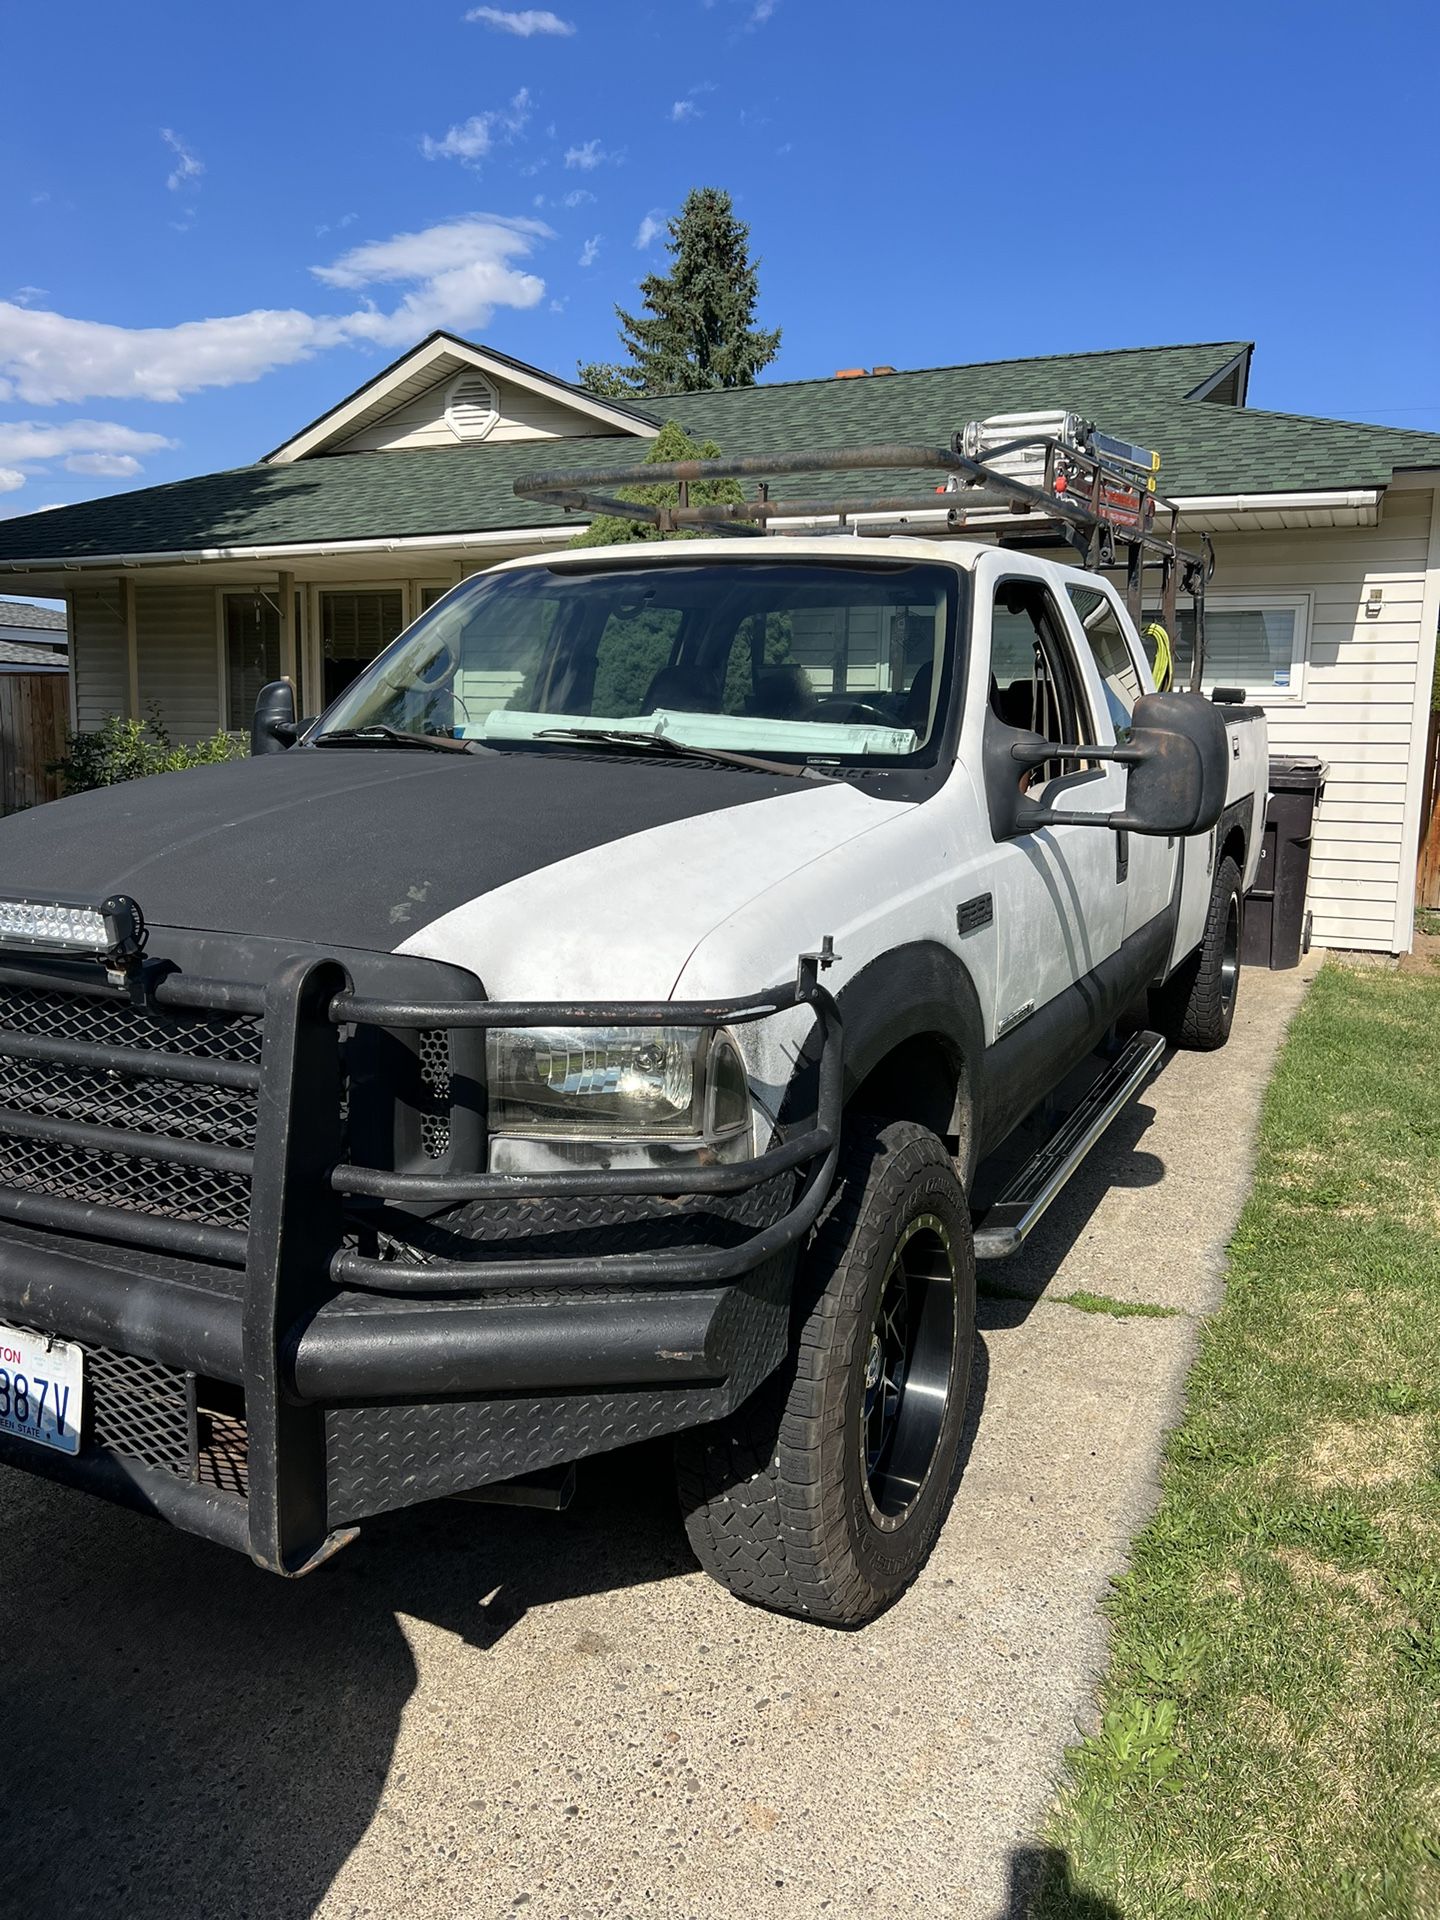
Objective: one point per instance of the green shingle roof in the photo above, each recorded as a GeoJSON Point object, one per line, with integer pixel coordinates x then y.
{"type": "Point", "coordinates": [1205, 448]}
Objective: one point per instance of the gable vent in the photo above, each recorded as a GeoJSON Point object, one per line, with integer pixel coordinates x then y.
{"type": "Point", "coordinates": [471, 406]}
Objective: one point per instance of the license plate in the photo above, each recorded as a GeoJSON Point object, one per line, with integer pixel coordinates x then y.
{"type": "Point", "coordinates": [42, 1389]}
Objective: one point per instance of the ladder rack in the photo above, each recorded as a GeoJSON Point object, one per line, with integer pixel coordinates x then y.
{"type": "Point", "coordinates": [1008, 478]}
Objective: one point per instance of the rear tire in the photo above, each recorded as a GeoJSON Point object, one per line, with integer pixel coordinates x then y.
{"type": "Point", "coordinates": [1195, 1008]}
{"type": "Point", "coordinates": [824, 1493]}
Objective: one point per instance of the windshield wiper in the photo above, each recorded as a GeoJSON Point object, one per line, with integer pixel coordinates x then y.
{"type": "Point", "coordinates": [378, 734]}
{"type": "Point", "coordinates": [617, 738]}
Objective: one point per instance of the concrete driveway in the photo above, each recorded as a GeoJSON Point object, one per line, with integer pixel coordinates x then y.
{"type": "Point", "coordinates": [478, 1711]}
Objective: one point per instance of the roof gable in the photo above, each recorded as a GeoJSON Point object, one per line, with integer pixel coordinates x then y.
{"type": "Point", "coordinates": [431, 365]}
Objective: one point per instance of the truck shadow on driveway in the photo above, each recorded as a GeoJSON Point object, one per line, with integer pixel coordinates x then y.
{"type": "Point", "coordinates": [201, 1738]}
{"type": "Point", "coordinates": [204, 1739]}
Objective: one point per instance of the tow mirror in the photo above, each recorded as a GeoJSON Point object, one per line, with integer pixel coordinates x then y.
{"type": "Point", "coordinates": [273, 727]}
{"type": "Point", "coordinates": [1177, 771]}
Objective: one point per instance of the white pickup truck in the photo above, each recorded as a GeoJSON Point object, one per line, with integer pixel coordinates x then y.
{"type": "Point", "coordinates": [590, 1028]}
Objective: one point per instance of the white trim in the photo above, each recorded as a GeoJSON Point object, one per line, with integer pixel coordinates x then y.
{"type": "Point", "coordinates": [1276, 502]}
{"type": "Point", "coordinates": [342, 418]}
{"type": "Point", "coordinates": [302, 549]}
{"type": "Point", "coordinates": [1404, 933]}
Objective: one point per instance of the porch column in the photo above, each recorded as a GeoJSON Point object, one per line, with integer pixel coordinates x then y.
{"type": "Point", "coordinates": [132, 648]}
{"type": "Point", "coordinates": [289, 666]}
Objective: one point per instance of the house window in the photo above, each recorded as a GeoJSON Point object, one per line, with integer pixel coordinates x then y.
{"type": "Point", "coordinates": [1257, 641]}
{"type": "Point", "coordinates": [354, 627]}
{"type": "Point", "coordinates": [252, 652]}
{"type": "Point", "coordinates": [471, 406]}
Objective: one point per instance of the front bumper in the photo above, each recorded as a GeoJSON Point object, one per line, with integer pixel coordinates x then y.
{"type": "Point", "coordinates": [347, 1373]}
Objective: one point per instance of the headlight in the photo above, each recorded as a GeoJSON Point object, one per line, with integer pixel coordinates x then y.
{"type": "Point", "coordinates": [613, 1083]}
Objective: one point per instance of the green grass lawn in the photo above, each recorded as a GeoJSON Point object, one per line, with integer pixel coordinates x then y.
{"type": "Point", "coordinates": [1269, 1739]}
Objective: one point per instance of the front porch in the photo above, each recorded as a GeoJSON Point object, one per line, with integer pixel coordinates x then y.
{"type": "Point", "coordinates": [197, 639]}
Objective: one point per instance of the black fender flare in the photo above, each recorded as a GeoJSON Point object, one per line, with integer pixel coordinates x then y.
{"type": "Point", "coordinates": [912, 991]}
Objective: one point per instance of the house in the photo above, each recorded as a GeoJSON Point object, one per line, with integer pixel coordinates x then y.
{"type": "Point", "coordinates": [32, 639]}
{"type": "Point", "coordinates": [1324, 603]}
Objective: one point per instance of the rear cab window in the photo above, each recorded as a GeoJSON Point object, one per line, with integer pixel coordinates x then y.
{"type": "Point", "coordinates": [1114, 661]}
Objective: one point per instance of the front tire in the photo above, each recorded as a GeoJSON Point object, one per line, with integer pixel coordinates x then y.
{"type": "Point", "coordinates": [1195, 1008]}
{"type": "Point", "coordinates": [824, 1493]}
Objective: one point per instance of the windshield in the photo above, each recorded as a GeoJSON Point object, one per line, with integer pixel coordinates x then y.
{"type": "Point", "coordinates": [829, 660]}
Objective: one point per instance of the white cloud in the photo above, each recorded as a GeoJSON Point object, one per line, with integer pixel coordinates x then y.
{"type": "Point", "coordinates": [459, 272]}
{"type": "Point", "coordinates": [31, 440]}
{"type": "Point", "coordinates": [586, 157]}
{"type": "Point", "coordinates": [577, 197]}
{"type": "Point", "coordinates": [473, 138]}
{"type": "Point", "coordinates": [109, 466]}
{"type": "Point", "coordinates": [526, 22]}
{"type": "Point", "coordinates": [651, 227]}
{"type": "Point", "coordinates": [187, 168]}
{"type": "Point", "coordinates": [687, 106]}
{"type": "Point", "coordinates": [27, 296]}
{"type": "Point", "coordinates": [10, 480]}
{"type": "Point", "coordinates": [589, 251]}
{"type": "Point", "coordinates": [761, 12]}
{"type": "Point", "coordinates": [98, 447]}
{"type": "Point", "coordinates": [439, 249]}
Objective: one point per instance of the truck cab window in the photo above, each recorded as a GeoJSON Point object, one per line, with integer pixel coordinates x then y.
{"type": "Point", "coordinates": [1033, 682]}
{"type": "Point", "coordinates": [1119, 675]}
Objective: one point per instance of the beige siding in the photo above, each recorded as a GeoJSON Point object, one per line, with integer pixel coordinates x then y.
{"type": "Point", "coordinates": [179, 666]}
{"type": "Point", "coordinates": [98, 640]}
{"type": "Point", "coordinates": [421, 422]}
{"type": "Point", "coordinates": [1358, 709]}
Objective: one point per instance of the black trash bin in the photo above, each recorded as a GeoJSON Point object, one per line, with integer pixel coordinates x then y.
{"type": "Point", "coordinates": [1277, 928]}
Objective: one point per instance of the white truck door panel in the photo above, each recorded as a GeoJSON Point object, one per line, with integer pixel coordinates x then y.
{"type": "Point", "coordinates": [1122, 671]}
{"type": "Point", "coordinates": [1059, 903]}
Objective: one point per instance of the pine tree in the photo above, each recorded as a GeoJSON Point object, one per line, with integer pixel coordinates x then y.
{"type": "Point", "coordinates": [671, 443]}
{"type": "Point", "coordinates": [696, 332]}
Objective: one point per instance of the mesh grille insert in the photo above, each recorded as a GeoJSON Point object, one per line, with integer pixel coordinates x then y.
{"type": "Point", "coordinates": [221, 1116]}
{"type": "Point", "coordinates": [116, 1023]}
{"type": "Point", "coordinates": [115, 1180]}
{"type": "Point", "coordinates": [435, 1079]}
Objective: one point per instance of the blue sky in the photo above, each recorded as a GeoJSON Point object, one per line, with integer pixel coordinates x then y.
{"type": "Point", "coordinates": [214, 222]}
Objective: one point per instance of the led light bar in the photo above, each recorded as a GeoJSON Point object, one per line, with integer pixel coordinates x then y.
{"type": "Point", "coordinates": [113, 931]}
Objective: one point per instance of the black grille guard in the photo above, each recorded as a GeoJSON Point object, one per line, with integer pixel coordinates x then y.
{"type": "Point", "coordinates": [817, 1147]}
{"type": "Point", "coordinates": [292, 1363]}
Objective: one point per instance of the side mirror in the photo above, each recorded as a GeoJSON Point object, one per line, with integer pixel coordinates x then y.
{"type": "Point", "coordinates": [1177, 761]}
{"type": "Point", "coordinates": [273, 727]}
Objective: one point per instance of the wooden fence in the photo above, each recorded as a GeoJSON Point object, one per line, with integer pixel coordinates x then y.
{"type": "Point", "coordinates": [1427, 874]}
{"type": "Point", "coordinates": [34, 715]}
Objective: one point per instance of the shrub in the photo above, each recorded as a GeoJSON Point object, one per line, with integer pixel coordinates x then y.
{"type": "Point", "coordinates": [128, 749]}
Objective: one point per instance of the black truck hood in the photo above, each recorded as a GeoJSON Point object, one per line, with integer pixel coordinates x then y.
{"type": "Point", "coordinates": [349, 847]}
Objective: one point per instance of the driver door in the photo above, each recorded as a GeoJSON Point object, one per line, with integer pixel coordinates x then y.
{"type": "Point", "coordinates": [1060, 890]}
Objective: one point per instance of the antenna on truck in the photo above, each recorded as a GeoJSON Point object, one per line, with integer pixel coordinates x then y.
{"type": "Point", "coordinates": [1024, 479]}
